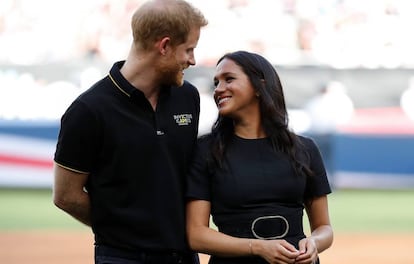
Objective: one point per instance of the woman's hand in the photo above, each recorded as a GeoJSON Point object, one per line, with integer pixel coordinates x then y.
{"type": "Point", "coordinates": [308, 252]}
{"type": "Point", "coordinates": [275, 251]}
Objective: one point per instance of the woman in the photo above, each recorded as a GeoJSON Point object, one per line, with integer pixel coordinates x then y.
{"type": "Point", "coordinates": [255, 176]}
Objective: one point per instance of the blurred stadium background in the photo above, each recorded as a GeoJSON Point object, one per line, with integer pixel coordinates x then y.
{"type": "Point", "coordinates": [51, 51]}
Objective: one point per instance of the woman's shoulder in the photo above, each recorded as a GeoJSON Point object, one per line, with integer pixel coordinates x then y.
{"type": "Point", "coordinates": [307, 142]}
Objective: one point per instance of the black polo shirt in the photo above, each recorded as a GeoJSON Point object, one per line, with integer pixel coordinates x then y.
{"type": "Point", "coordinates": [137, 159]}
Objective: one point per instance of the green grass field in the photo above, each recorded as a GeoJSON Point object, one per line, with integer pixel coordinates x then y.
{"type": "Point", "coordinates": [32, 209]}
{"type": "Point", "coordinates": [351, 211]}
{"type": "Point", "coordinates": [372, 211]}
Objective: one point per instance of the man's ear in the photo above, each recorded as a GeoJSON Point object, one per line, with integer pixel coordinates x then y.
{"type": "Point", "coordinates": [163, 45]}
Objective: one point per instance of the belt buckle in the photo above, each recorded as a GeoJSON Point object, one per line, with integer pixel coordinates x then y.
{"type": "Point", "coordinates": [270, 217]}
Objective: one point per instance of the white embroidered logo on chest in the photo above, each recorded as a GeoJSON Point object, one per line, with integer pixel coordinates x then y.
{"type": "Point", "coordinates": [183, 119]}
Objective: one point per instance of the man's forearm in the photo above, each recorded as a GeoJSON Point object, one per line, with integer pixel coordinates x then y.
{"type": "Point", "coordinates": [78, 208]}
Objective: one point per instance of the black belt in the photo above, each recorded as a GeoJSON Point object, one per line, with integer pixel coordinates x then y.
{"type": "Point", "coordinates": [265, 227]}
{"type": "Point", "coordinates": [148, 256]}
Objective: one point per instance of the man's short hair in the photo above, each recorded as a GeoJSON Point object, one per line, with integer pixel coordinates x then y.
{"type": "Point", "coordinates": [165, 18]}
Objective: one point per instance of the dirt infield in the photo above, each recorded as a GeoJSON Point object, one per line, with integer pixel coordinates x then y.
{"type": "Point", "coordinates": [68, 247]}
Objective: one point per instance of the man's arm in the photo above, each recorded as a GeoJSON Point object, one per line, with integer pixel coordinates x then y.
{"type": "Point", "coordinates": [69, 193]}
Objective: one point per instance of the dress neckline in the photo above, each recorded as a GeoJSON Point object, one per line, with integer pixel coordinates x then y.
{"type": "Point", "coordinates": [249, 139]}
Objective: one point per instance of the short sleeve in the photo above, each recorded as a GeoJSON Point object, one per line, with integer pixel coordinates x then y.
{"type": "Point", "coordinates": [317, 184]}
{"type": "Point", "coordinates": [198, 178]}
{"type": "Point", "coordinates": [77, 146]}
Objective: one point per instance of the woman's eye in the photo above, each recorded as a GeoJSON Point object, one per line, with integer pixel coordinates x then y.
{"type": "Point", "coordinates": [229, 79]}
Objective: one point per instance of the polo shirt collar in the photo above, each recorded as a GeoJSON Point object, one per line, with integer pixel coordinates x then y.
{"type": "Point", "coordinates": [123, 85]}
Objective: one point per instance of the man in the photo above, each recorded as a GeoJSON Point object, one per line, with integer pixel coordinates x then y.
{"type": "Point", "coordinates": [125, 144]}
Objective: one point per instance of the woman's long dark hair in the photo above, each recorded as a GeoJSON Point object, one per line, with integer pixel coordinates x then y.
{"type": "Point", "coordinates": [267, 85]}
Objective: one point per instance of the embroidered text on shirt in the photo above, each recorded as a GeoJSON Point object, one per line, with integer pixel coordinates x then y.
{"type": "Point", "coordinates": [183, 119]}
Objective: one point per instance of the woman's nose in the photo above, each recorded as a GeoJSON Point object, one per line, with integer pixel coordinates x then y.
{"type": "Point", "coordinates": [219, 88]}
{"type": "Point", "coordinates": [217, 92]}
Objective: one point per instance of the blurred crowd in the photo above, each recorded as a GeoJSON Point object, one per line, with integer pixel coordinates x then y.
{"type": "Point", "coordinates": [339, 33]}
{"type": "Point", "coordinates": [334, 33]}
{"type": "Point", "coordinates": [24, 96]}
